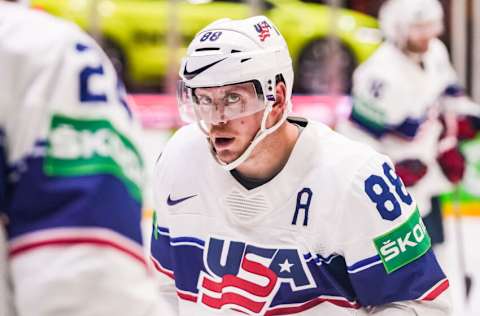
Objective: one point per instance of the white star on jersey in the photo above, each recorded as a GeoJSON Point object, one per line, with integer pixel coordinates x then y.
{"type": "Point", "coordinates": [285, 266]}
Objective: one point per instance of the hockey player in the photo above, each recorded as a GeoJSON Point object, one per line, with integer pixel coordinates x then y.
{"type": "Point", "coordinates": [70, 175]}
{"type": "Point", "coordinates": [406, 103]}
{"type": "Point", "coordinates": [265, 214]}
{"type": "Point", "coordinates": [6, 303]}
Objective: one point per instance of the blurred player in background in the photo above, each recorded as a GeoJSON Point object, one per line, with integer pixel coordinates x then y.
{"type": "Point", "coordinates": [6, 303]}
{"type": "Point", "coordinates": [407, 104]}
{"type": "Point", "coordinates": [71, 175]}
{"type": "Point", "coordinates": [265, 214]}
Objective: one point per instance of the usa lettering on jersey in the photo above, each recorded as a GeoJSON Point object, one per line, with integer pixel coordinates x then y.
{"type": "Point", "coordinates": [247, 277]}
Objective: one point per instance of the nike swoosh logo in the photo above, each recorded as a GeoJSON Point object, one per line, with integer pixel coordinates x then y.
{"type": "Point", "coordinates": [192, 74]}
{"type": "Point", "coordinates": [172, 202]}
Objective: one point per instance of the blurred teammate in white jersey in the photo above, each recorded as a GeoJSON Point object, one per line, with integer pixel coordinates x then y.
{"type": "Point", "coordinates": [70, 176]}
{"type": "Point", "coordinates": [261, 213]}
{"type": "Point", "coordinates": [408, 104]}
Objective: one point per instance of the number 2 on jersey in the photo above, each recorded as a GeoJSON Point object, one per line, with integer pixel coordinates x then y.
{"type": "Point", "coordinates": [386, 201]}
{"type": "Point", "coordinates": [88, 72]}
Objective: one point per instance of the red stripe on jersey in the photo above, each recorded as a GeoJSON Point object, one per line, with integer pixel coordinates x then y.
{"type": "Point", "coordinates": [310, 304]}
{"type": "Point", "coordinates": [187, 297]}
{"type": "Point", "coordinates": [235, 299]}
{"type": "Point", "coordinates": [438, 289]}
{"type": "Point", "coordinates": [239, 283]}
{"type": "Point", "coordinates": [161, 269]}
{"type": "Point", "coordinates": [72, 241]}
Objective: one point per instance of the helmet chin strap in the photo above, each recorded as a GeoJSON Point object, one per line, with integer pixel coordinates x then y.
{"type": "Point", "coordinates": [261, 134]}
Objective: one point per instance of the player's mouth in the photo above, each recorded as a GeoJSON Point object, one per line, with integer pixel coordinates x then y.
{"type": "Point", "coordinates": [222, 142]}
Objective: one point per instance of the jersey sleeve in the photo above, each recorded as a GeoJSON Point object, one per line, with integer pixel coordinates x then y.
{"type": "Point", "coordinates": [6, 306]}
{"type": "Point", "coordinates": [4, 282]}
{"type": "Point", "coordinates": [385, 243]}
{"type": "Point", "coordinates": [454, 97]}
{"type": "Point", "coordinates": [379, 103]}
{"type": "Point", "coordinates": [74, 186]}
{"type": "Point", "coordinates": [453, 87]}
{"type": "Point", "coordinates": [3, 170]}
{"type": "Point", "coordinates": [161, 252]}
{"type": "Point", "coordinates": [160, 237]}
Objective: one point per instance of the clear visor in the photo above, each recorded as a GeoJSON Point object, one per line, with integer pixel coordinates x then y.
{"type": "Point", "coordinates": [216, 105]}
{"type": "Point", "coordinates": [428, 30]}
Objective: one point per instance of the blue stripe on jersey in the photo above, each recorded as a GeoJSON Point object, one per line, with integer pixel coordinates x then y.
{"type": "Point", "coordinates": [454, 90]}
{"type": "Point", "coordinates": [187, 263]}
{"type": "Point", "coordinates": [41, 143]}
{"type": "Point", "coordinates": [374, 129]}
{"type": "Point", "coordinates": [331, 280]}
{"type": "Point", "coordinates": [308, 257]}
{"type": "Point", "coordinates": [163, 230]}
{"type": "Point", "coordinates": [160, 247]}
{"type": "Point", "coordinates": [409, 127]}
{"type": "Point", "coordinates": [319, 258]}
{"type": "Point", "coordinates": [81, 47]}
{"type": "Point", "coordinates": [14, 170]}
{"type": "Point", "coordinates": [3, 170]}
{"type": "Point", "coordinates": [369, 286]}
{"type": "Point", "coordinates": [37, 202]}
{"type": "Point", "coordinates": [375, 287]}
{"type": "Point", "coordinates": [363, 263]}
{"type": "Point", "coordinates": [190, 240]}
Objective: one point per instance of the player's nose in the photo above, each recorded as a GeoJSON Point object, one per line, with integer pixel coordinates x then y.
{"type": "Point", "coordinates": [219, 117]}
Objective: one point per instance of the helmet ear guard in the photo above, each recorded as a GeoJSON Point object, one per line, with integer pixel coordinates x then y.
{"type": "Point", "coordinates": [229, 52]}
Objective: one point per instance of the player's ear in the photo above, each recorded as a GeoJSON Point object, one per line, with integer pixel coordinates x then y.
{"type": "Point", "coordinates": [280, 95]}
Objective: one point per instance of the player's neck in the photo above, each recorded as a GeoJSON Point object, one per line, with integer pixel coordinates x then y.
{"type": "Point", "coordinates": [271, 155]}
{"type": "Point", "coordinates": [417, 58]}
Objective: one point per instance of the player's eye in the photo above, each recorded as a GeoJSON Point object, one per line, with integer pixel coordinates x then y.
{"type": "Point", "coordinates": [232, 98]}
{"type": "Point", "coordinates": [204, 100]}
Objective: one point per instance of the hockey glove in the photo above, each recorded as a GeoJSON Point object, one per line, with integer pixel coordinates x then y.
{"type": "Point", "coordinates": [410, 171]}
{"type": "Point", "coordinates": [452, 164]}
{"type": "Point", "coordinates": [468, 126]}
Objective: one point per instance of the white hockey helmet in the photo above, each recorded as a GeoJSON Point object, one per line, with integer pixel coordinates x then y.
{"type": "Point", "coordinates": [228, 52]}
{"type": "Point", "coordinates": [398, 17]}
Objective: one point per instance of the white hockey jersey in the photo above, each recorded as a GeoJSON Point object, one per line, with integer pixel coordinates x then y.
{"type": "Point", "coordinates": [71, 176]}
{"type": "Point", "coordinates": [396, 105]}
{"type": "Point", "coordinates": [334, 233]}
{"type": "Point", "coordinates": [6, 302]}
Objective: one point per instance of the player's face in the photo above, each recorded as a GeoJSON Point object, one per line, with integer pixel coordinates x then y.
{"type": "Point", "coordinates": [231, 137]}
{"type": "Point", "coordinates": [221, 104]}
{"type": "Point", "coordinates": [421, 34]}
